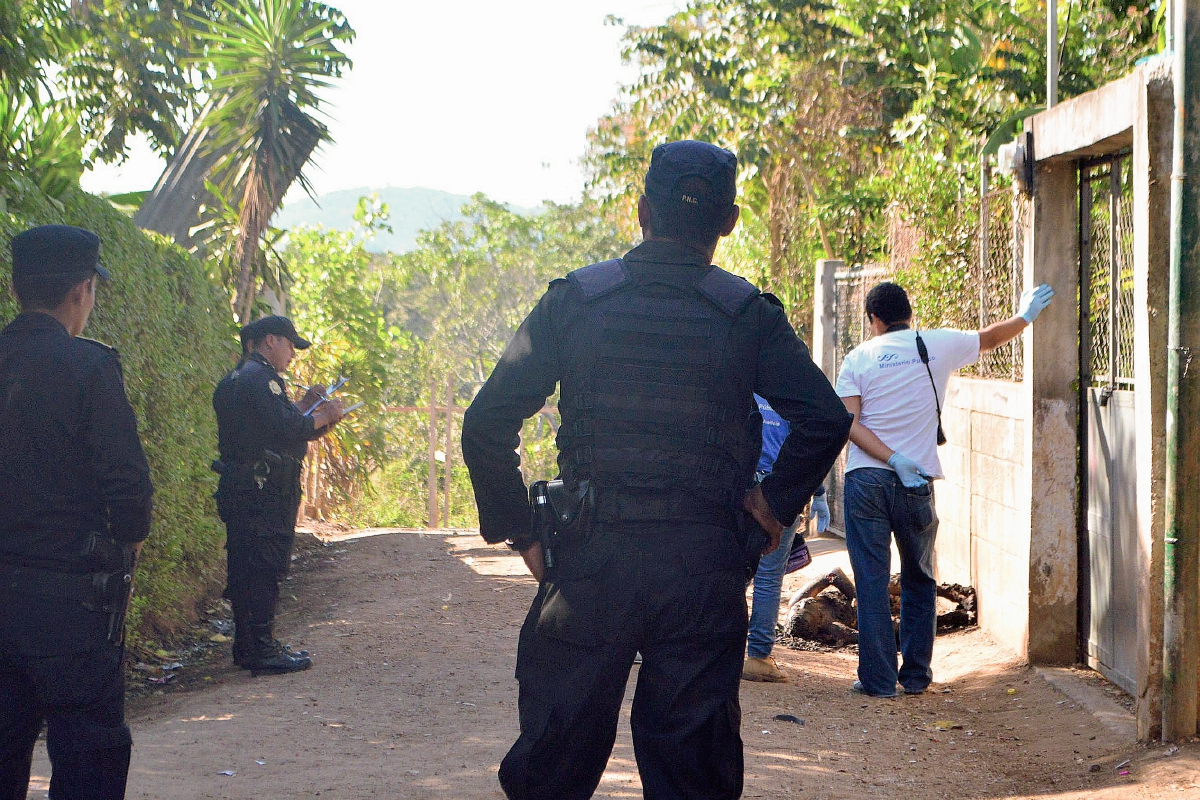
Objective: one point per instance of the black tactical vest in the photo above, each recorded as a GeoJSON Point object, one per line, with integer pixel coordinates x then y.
{"type": "Point", "coordinates": [649, 395]}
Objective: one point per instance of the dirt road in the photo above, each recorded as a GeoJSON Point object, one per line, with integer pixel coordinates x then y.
{"type": "Point", "coordinates": [412, 696]}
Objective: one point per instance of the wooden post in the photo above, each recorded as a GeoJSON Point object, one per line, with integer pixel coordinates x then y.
{"type": "Point", "coordinates": [449, 448]}
{"type": "Point", "coordinates": [433, 442]}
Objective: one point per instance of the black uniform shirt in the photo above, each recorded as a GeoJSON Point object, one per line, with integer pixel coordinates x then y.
{"type": "Point", "coordinates": [255, 414]}
{"type": "Point", "coordinates": [532, 365]}
{"type": "Point", "coordinates": [70, 459]}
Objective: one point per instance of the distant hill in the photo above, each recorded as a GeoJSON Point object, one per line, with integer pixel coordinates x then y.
{"type": "Point", "coordinates": [412, 211]}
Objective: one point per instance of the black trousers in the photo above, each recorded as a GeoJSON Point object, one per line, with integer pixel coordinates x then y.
{"type": "Point", "coordinates": [260, 530]}
{"type": "Point", "coordinates": [678, 598]}
{"type": "Point", "coordinates": [80, 697]}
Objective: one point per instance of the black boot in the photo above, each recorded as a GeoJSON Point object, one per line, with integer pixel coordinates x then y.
{"type": "Point", "coordinates": [243, 639]}
{"type": "Point", "coordinates": [268, 598]}
{"type": "Point", "coordinates": [270, 657]}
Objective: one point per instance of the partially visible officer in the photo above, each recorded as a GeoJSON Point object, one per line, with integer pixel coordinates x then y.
{"type": "Point", "coordinates": [75, 493]}
{"type": "Point", "coordinates": [657, 356]}
{"type": "Point", "coordinates": [264, 438]}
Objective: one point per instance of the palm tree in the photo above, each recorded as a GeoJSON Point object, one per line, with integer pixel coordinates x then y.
{"type": "Point", "coordinates": [269, 58]}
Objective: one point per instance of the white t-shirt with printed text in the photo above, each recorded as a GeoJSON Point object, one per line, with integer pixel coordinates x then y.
{"type": "Point", "coordinates": [897, 398]}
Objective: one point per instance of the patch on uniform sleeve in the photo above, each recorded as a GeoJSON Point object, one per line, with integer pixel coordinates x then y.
{"type": "Point", "coordinates": [276, 389]}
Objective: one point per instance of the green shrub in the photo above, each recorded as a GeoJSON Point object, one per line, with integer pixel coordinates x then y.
{"type": "Point", "coordinates": [175, 334]}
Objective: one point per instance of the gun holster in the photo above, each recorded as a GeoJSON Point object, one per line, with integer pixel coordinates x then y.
{"type": "Point", "coordinates": [573, 507]}
{"type": "Point", "coordinates": [248, 472]}
{"type": "Point", "coordinates": [560, 511]}
{"type": "Point", "coordinates": [111, 582]}
{"type": "Point", "coordinates": [279, 470]}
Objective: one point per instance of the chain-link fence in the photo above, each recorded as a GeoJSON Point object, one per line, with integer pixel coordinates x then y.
{"type": "Point", "coordinates": [998, 273]}
{"type": "Point", "coordinates": [1106, 250]}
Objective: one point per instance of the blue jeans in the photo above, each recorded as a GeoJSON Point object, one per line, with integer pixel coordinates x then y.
{"type": "Point", "coordinates": [768, 582]}
{"type": "Point", "coordinates": [878, 505]}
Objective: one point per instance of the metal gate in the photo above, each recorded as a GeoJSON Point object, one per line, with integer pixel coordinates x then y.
{"type": "Point", "coordinates": [1108, 598]}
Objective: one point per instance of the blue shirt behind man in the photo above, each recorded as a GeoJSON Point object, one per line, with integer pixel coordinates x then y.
{"type": "Point", "coordinates": [774, 430]}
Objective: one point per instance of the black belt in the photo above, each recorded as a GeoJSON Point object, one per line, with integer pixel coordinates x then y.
{"type": "Point", "coordinates": [257, 471]}
{"type": "Point", "coordinates": [47, 583]}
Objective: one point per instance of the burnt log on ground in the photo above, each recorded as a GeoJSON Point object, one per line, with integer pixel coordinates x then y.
{"type": "Point", "coordinates": [963, 615]}
{"type": "Point", "coordinates": [817, 585]}
{"type": "Point", "coordinates": [829, 618]}
{"type": "Point", "coordinates": [963, 596]}
{"type": "Point", "coordinates": [825, 611]}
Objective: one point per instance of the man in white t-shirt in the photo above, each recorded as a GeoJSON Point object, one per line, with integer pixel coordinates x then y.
{"type": "Point", "coordinates": [894, 390]}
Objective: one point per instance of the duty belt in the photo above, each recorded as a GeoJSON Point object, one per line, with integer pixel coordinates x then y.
{"type": "Point", "coordinates": [47, 583]}
{"type": "Point", "coordinates": [259, 469]}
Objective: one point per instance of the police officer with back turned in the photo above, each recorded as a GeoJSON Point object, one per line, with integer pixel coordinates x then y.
{"type": "Point", "coordinates": [657, 357]}
{"type": "Point", "coordinates": [263, 437]}
{"type": "Point", "coordinates": [76, 496]}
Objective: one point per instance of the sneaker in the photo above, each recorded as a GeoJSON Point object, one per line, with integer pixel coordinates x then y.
{"type": "Point", "coordinates": [857, 688]}
{"type": "Point", "coordinates": [906, 690]}
{"type": "Point", "coordinates": [762, 669]}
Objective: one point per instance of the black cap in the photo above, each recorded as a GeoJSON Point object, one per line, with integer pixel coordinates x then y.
{"type": "Point", "coordinates": [692, 182]}
{"type": "Point", "coordinates": [274, 324]}
{"type": "Point", "coordinates": [56, 250]}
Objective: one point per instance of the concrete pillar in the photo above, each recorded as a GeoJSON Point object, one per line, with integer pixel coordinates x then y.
{"type": "Point", "coordinates": [1152, 142]}
{"type": "Point", "coordinates": [1181, 557]}
{"type": "Point", "coordinates": [1052, 411]}
{"type": "Point", "coordinates": [824, 337]}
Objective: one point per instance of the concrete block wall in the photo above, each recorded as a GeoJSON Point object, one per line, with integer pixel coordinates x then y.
{"type": "Point", "coordinates": [983, 503]}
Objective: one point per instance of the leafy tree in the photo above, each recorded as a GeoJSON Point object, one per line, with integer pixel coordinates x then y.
{"type": "Point", "coordinates": [835, 106]}
{"type": "Point", "coordinates": [461, 295]}
{"type": "Point", "coordinates": [752, 75]}
{"type": "Point", "coordinates": [120, 66]}
{"type": "Point", "coordinates": [27, 45]}
{"type": "Point", "coordinates": [127, 70]}
{"type": "Point", "coordinates": [468, 285]}
{"type": "Point", "coordinates": [335, 295]}
{"type": "Point", "coordinates": [270, 58]}
{"type": "Point", "coordinates": [40, 144]}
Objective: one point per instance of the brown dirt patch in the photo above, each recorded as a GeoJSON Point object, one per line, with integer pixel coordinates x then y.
{"type": "Point", "coordinates": [412, 696]}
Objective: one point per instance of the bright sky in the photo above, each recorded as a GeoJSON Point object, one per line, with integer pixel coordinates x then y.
{"type": "Point", "coordinates": [462, 96]}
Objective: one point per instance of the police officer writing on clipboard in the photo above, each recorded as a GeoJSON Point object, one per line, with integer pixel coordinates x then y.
{"type": "Point", "coordinates": [264, 438]}
{"type": "Point", "coordinates": [76, 498]}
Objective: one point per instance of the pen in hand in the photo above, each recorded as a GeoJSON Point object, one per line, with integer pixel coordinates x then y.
{"type": "Point", "coordinates": [333, 387]}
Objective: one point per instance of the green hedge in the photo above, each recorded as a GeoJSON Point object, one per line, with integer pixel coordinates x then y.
{"type": "Point", "coordinates": [174, 331]}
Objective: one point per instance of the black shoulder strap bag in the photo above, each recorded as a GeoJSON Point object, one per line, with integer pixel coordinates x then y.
{"type": "Point", "coordinates": [923, 352]}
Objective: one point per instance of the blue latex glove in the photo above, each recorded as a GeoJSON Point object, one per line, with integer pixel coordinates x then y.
{"type": "Point", "coordinates": [1033, 301]}
{"type": "Point", "coordinates": [908, 471]}
{"type": "Point", "coordinates": [820, 511]}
